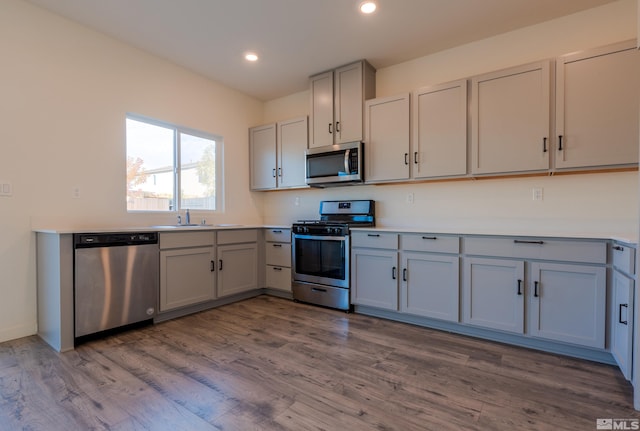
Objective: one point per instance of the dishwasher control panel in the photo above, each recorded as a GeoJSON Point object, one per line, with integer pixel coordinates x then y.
{"type": "Point", "coordinates": [85, 240]}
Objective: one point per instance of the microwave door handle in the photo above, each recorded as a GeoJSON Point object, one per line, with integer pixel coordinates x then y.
{"type": "Point", "coordinates": [347, 171]}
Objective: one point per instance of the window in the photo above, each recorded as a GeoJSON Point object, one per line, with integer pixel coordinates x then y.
{"type": "Point", "coordinates": [170, 168]}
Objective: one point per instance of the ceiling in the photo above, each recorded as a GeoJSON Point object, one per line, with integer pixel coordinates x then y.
{"type": "Point", "coordinates": [298, 38]}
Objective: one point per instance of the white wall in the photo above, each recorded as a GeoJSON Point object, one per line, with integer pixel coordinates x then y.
{"type": "Point", "coordinates": [64, 94]}
{"type": "Point", "coordinates": [589, 203]}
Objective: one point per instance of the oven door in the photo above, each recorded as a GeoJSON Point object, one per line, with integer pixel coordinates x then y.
{"type": "Point", "coordinates": [321, 259]}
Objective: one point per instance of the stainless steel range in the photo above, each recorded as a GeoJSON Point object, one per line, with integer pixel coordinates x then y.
{"type": "Point", "coordinates": [321, 252]}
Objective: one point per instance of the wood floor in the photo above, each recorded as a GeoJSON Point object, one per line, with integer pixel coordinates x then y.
{"type": "Point", "coordinates": [272, 364]}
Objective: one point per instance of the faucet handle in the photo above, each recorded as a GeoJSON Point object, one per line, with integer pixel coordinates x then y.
{"type": "Point", "coordinates": [179, 219]}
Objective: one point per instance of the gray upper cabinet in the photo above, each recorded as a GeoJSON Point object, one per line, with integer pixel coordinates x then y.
{"type": "Point", "coordinates": [510, 120]}
{"type": "Point", "coordinates": [387, 139]}
{"type": "Point", "coordinates": [337, 103]}
{"type": "Point", "coordinates": [276, 154]}
{"type": "Point", "coordinates": [262, 155]}
{"type": "Point", "coordinates": [292, 140]}
{"type": "Point", "coordinates": [597, 104]}
{"type": "Point", "coordinates": [439, 147]}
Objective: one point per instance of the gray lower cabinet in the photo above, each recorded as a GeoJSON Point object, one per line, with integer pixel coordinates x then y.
{"type": "Point", "coordinates": [430, 276]}
{"type": "Point", "coordinates": [237, 263]}
{"type": "Point", "coordinates": [278, 259]}
{"type": "Point", "coordinates": [568, 303]}
{"type": "Point", "coordinates": [374, 270]}
{"type": "Point", "coordinates": [493, 292]}
{"type": "Point", "coordinates": [186, 269]}
{"type": "Point", "coordinates": [560, 285]}
{"type": "Point", "coordinates": [622, 312]}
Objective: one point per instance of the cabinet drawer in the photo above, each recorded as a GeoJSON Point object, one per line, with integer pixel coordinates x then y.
{"type": "Point", "coordinates": [186, 239]}
{"type": "Point", "coordinates": [430, 242]}
{"type": "Point", "coordinates": [624, 258]}
{"type": "Point", "coordinates": [237, 236]}
{"type": "Point", "coordinates": [538, 248]}
{"type": "Point", "coordinates": [279, 277]}
{"type": "Point", "coordinates": [277, 235]}
{"type": "Point", "coordinates": [374, 240]}
{"type": "Point", "coordinates": [278, 254]}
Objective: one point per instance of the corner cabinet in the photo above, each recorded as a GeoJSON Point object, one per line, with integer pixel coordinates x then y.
{"type": "Point", "coordinates": [337, 103]}
{"type": "Point", "coordinates": [187, 272]}
{"type": "Point", "coordinates": [597, 107]}
{"type": "Point", "coordinates": [237, 261]}
{"type": "Point", "coordinates": [622, 314]}
{"type": "Point", "coordinates": [387, 139]}
{"type": "Point", "coordinates": [276, 154]}
{"type": "Point", "coordinates": [510, 120]}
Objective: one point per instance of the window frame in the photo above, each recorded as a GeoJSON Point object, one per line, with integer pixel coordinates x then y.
{"type": "Point", "coordinates": [177, 163]}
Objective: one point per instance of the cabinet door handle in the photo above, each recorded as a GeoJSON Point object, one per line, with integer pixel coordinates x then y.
{"type": "Point", "coordinates": [404, 274]}
{"type": "Point", "coordinates": [521, 241]}
{"type": "Point", "coordinates": [375, 235]}
{"type": "Point", "coordinates": [213, 266]}
{"type": "Point", "coordinates": [280, 172]}
{"type": "Point", "coordinates": [220, 266]}
{"type": "Point", "coordinates": [406, 158]}
{"type": "Point", "coordinates": [277, 245]}
{"type": "Point", "coordinates": [618, 248]}
{"type": "Point", "coordinates": [393, 272]}
{"type": "Point", "coordinates": [544, 144]}
{"type": "Point", "coordinates": [330, 131]}
{"type": "Point", "coordinates": [624, 322]}
{"type": "Point", "coordinates": [415, 158]}
{"type": "Point", "coordinates": [337, 127]}
{"type": "Point", "coordinates": [559, 142]}
{"type": "Point", "coordinates": [519, 287]}
{"type": "Point", "coordinates": [535, 289]}
{"type": "Point", "coordinates": [274, 172]}
{"type": "Point", "coordinates": [433, 238]}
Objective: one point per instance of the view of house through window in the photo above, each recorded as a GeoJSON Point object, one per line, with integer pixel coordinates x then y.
{"type": "Point", "coordinates": [170, 168]}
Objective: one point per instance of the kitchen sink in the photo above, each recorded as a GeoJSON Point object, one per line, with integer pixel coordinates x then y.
{"type": "Point", "coordinates": [178, 226]}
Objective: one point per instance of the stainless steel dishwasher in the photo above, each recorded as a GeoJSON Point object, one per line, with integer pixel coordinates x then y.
{"type": "Point", "coordinates": [115, 280]}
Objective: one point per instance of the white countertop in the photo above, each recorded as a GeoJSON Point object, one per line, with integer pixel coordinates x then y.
{"type": "Point", "coordinates": [158, 228]}
{"type": "Point", "coordinates": [629, 238]}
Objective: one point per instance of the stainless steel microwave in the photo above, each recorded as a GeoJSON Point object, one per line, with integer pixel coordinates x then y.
{"type": "Point", "coordinates": [335, 165]}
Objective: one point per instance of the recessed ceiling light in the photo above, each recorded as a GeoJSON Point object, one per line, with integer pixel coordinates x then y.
{"type": "Point", "coordinates": [367, 7]}
{"type": "Point", "coordinates": [250, 56]}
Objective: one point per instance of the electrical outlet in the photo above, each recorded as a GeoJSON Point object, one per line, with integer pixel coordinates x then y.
{"type": "Point", "coordinates": [5, 188]}
{"type": "Point", "coordinates": [75, 192]}
{"type": "Point", "coordinates": [538, 194]}
{"type": "Point", "coordinates": [296, 201]}
{"type": "Point", "coordinates": [410, 198]}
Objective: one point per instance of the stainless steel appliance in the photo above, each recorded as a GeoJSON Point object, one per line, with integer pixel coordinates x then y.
{"type": "Point", "coordinates": [321, 252]}
{"type": "Point", "coordinates": [115, 280]}
{"type": "Point", "coordinates": [335, 165]}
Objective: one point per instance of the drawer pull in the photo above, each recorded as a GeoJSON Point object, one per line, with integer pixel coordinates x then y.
{"type": "Point", "coordinates": [375, 235]}
{"type": "Point", "coordinates": [618, 248]}
{"type": "Point", "coordinates": [430, 237]}
{"type": "Point", "coordinates": [624, 322]}
{"type": "Point", "coordinates": [519, 287]}
{"type": "Point", "coordinates": [277, 245]}
{"type": "Point", "coordinates": [276, 231]}
{"type": "Point", "coordinates": [535, 289]}
{"type": "Point", "coordinates": [277, 268]}
{"type": "Point", "coordinates": [521, 241]}
{"type": "Point", "coordinates": [317, 289]}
